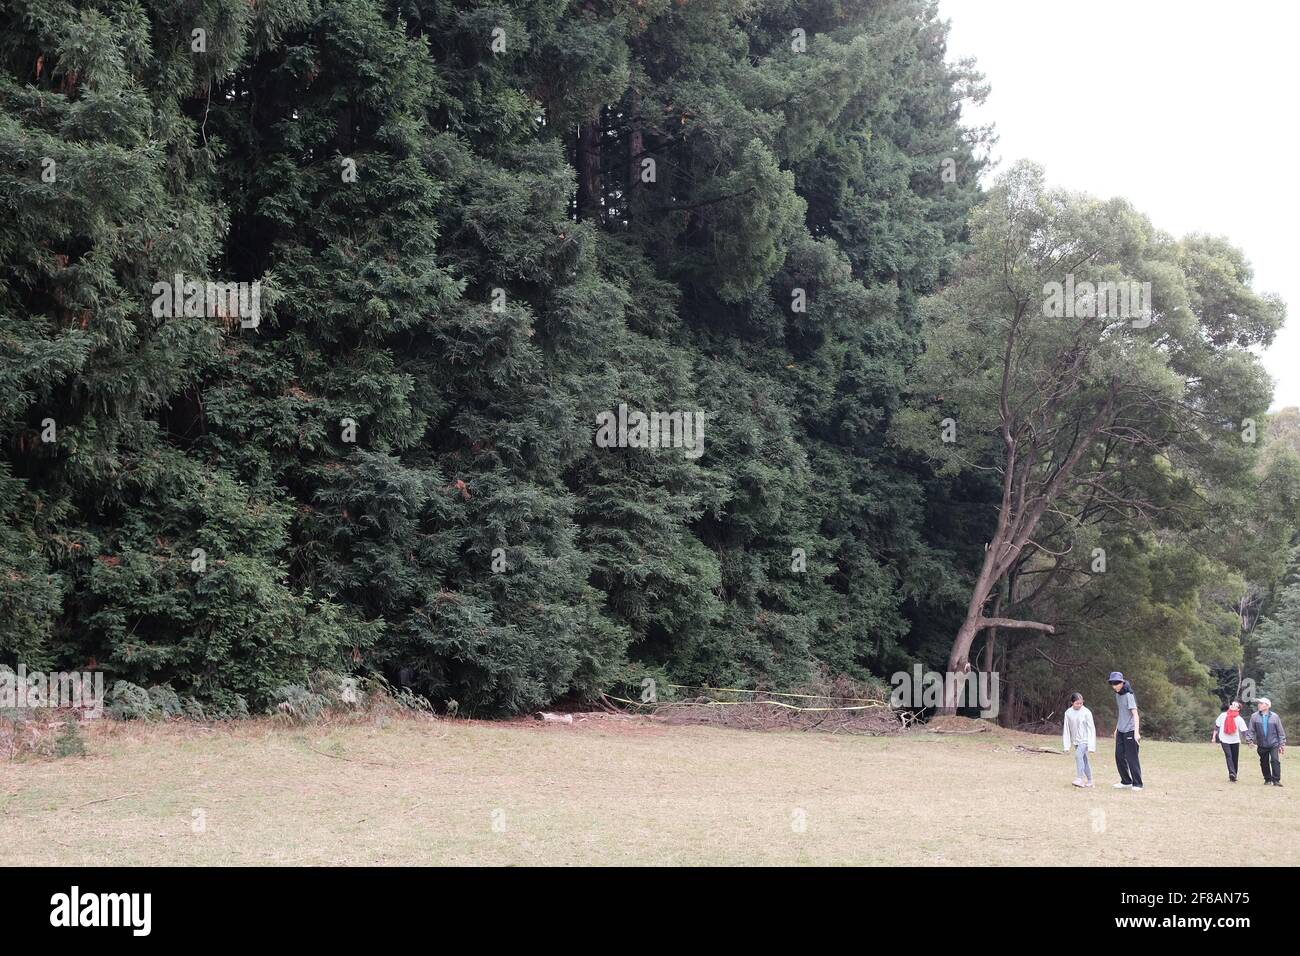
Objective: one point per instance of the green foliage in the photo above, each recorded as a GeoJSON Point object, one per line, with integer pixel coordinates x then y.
{"type": "Point", "coordinates": [464, 258]}
{"type": "Point", "coordinates": [1127, 439]}
{"type": "Point", "coordinates": [297, 703]}
{"type": "Point", "coordinates": [127, 701]}
{"type": "Point", "coordinates": [1277, 643]}
{"type": "Point", "coordinates": [166, 701]}
{"type": "Point", "coordinates": [71, 742]}
{"type": "Point", "coordinates": [222, 704]}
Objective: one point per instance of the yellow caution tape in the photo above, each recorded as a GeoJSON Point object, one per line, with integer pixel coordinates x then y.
{"type": "Point", "coordinates": [747, 703]}
{"type": "Point", "coordinates": [770, 693]}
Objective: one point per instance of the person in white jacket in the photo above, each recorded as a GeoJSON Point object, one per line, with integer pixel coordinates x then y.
{"type": "Point", "coordinates": [1227, 732]}
{"type": "Point", "coordinates": [1080, 734]}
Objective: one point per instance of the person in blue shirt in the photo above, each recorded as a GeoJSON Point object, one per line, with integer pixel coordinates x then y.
{"type": "Point", "coordinates": [1269, 739]}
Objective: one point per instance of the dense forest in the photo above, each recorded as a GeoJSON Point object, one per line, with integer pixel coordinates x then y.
{"type": "Point", "coordinates": [467, 233]}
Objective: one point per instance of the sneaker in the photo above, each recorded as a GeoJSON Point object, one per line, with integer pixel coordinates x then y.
{"type": "Point", "coordinates": [1277, 783]}
{"type": "Point", "coordinates": [1077, 782]}
{"type": "Point", "coordinates": [1088, 784]}
{"type": "Point", "coordinates": [1232, 778]}
{"type": "Point", "coordinates": [1122, 786]}
{"type": "Point", "coordinates": [1135, 787]}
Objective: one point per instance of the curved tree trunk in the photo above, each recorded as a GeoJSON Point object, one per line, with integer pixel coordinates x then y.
{"type": "Point", "coordinates": [959, 656]}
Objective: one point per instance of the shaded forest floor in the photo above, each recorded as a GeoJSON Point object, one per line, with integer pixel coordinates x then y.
{"type": "Point", "coordinates": [408, 791]}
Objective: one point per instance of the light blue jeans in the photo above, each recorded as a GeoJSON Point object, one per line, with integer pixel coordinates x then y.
{"type": "Point", "coordinates": [1081, 762]}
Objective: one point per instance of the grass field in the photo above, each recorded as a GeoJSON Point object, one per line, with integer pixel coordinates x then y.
{"type": "Point", "coordinates": [599, 792]}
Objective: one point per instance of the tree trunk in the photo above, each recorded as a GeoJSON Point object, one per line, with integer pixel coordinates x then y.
{"type": "Point", "coordinates": [635, 146]}
{"type": "Point", "coordinates": [588, 162]}
{"type": "Point", "coordinates": [992, 634]}
{"type": "Point", "coordinates": [990, 574]}
{"type": "Point", "coordinates": [1012, 713]}
{"type": "Point", "coordinates": [989, 642]}
{"type": "Point", "coordinates": [1018, 515]}
{"type": "Point", "coordinates": [959, 656]}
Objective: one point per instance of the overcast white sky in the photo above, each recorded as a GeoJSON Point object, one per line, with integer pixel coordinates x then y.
{"type": "Point", "coordinates": [1185, 107]}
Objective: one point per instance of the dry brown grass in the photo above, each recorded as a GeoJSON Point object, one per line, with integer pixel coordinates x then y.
{"type": "Point", "coordinates": [414, 791]}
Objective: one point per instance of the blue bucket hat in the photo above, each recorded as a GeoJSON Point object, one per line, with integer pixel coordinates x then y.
{"type": "Point", "coordinates": [1114, 677]}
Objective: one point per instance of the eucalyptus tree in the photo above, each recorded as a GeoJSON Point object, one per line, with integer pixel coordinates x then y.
{"type": "Point", "coordinates": [1097, 369]}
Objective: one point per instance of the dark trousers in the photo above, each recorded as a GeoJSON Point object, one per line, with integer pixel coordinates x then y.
{"type": "Point", "coordinates": [1126, 759]}
{"type": "Point", "coordinates": [1270, 764]}
{"type": "Point", "coordinates": [1230, 753]}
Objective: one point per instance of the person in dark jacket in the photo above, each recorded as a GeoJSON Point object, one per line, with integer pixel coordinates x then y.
{"type": "Point", "coordinates": [1270, 741]}
{"type": "Point", "coordinates": [1128, 733]}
